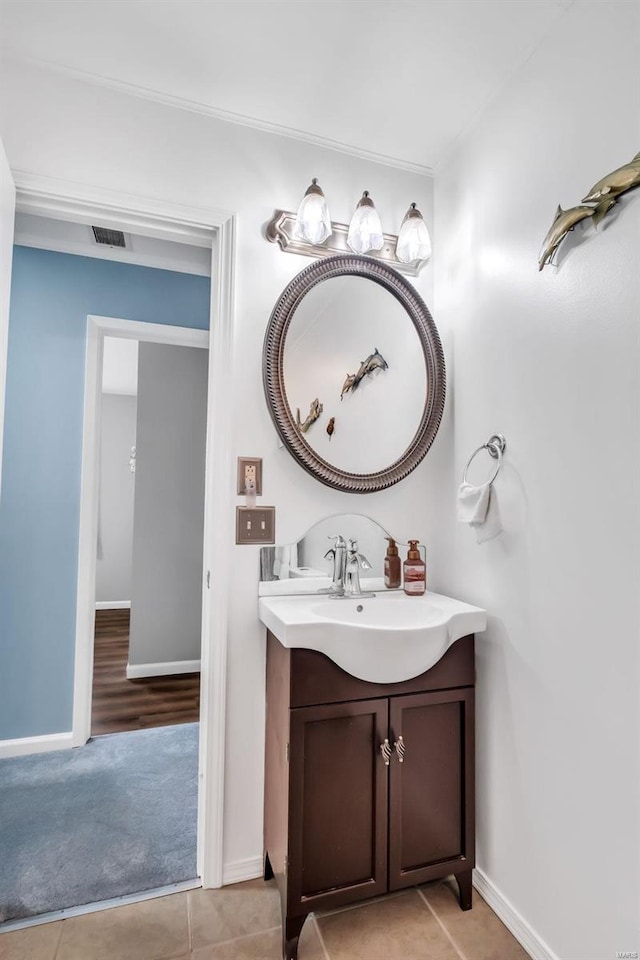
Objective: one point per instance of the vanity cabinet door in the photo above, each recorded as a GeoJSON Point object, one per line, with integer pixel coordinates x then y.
{"type": "Point", "coordinates": [337, 804]}
{"type": "Point", "coordinates": [431, 816]}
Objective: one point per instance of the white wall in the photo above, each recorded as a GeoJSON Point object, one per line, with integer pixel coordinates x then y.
{"type": "Point", "coordinates": [166, 598]}
{"type": "Point", "coordinates": [551, 360]}
{"type": "Point", "coordinates": [120, 366]}
{"type": "Point", "coordinates": [60, 127]}
{"type": "Point", "coordinates": [117, 486]}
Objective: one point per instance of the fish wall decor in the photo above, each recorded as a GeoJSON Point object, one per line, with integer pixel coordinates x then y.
{"type": "Point", "coordinates": [616, 183]}
{"type": "Point", "coordinates": [331, 427]}
{"type": "Point", "coordinates": [563, 222]}
{"type": "Point", "coordinates": [315, 410]}
{"type": "Point", "coordinates": [603, 196]}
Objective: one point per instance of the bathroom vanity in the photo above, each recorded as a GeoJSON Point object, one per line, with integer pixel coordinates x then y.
{"type": "Point", "coordinates": [369, 783]}
{"type": "Point", "coordinates": [369, 787]}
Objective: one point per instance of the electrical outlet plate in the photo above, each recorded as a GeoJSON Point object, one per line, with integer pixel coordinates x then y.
{"type": "Point", "coordinates": [245, 467]}
{"type": "Point", "coordinates": [255, 524]}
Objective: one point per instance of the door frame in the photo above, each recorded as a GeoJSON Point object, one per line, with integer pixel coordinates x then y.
{"type": "Point", "coordinates": [215, 228]}
{"type": "Point", "coordinates": [97, 329]}
{"type": "Point", "coordinates": [7, 224]}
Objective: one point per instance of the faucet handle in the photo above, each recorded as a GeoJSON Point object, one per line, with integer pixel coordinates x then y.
{"type": "Point", "coordinates": [354, 554]}
{"type": "Point", "coordinates": [330, 554]}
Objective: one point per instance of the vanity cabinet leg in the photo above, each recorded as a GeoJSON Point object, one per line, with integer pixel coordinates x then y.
{"type": "Point", "coordinates": [465, 888]}
{"type": "Point", "coordinates": [267, 873]}
{"type": "Point", "coordinates": [291, 930]}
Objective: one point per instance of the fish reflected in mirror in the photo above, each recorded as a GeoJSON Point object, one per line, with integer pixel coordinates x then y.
{"type": "Point", "coordinates": [347, 385]}
{"type": "Point", "coordinates": [375, 361]}
{"type": "Point", "coordinates": [315, 410]}
{"type": "Point", "coordinates": [331, 427]}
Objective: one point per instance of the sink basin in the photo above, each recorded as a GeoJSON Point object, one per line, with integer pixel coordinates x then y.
{"type": "Point", "coordinates": [383, 639]}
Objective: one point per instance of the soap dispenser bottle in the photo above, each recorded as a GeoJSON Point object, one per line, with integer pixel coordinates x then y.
{"type": "Point", "coordinates": [415, 571]}
{"type": "Point", "coordinates": [392, 566]}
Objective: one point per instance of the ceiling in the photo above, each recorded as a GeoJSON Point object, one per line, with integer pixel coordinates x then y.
{"type": "Point", "coordinates": [398, 80]}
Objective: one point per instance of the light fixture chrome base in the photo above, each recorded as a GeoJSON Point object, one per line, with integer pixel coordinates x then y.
{"type": "Point", "coordinates": [280, 230]}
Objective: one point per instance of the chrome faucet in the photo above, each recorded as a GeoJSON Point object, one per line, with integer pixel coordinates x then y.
{"type": "Point", "coordinates": [337, 553]}
{"type": "Point", "coordinates": [355, 562]}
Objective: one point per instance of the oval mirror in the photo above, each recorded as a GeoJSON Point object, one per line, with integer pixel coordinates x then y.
{"type": "Point", "coordinates": [354, 373]}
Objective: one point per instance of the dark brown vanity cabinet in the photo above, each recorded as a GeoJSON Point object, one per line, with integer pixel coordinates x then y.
{"type": "Point", "coordinates": [368, 787]}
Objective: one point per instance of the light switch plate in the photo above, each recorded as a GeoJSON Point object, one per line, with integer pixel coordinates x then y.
{"type": "Point", "coordinates": [243, 464]}
{"type": "Point", "coordinates": [255, 524]}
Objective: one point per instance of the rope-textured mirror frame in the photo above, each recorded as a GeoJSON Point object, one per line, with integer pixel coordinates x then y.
{"type": "Point", "coordinates": [273, 373]}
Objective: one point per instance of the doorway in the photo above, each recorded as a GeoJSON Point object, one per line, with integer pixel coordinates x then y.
{"type": "Point", "coordinates": [62, 201]}
{"type": "Point", "coordinates": [148, 592]}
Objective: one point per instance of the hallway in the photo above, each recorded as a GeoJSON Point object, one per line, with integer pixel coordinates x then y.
{"type": "Point", "coordinates": [120, 704]}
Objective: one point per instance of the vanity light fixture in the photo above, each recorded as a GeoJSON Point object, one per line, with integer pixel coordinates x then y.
{"type": "Point", "coordinates": [414, 242]}
{"type": "Point", "coordinates": [365, 229]}
{"type": "Point", "coordinates": [311, 233]}
{"type": "Point", "coordinates": [313, 222]}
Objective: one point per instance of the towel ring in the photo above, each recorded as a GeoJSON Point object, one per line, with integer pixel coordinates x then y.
{"type": "Point", "coordinates": [494, 446]}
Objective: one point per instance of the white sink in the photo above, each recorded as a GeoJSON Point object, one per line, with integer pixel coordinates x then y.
{"type": "Point", "coordinates": [382, 639]}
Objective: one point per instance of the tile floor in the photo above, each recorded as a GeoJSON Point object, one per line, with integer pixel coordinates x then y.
{"type": "Point", "coordinates": [242, 922]}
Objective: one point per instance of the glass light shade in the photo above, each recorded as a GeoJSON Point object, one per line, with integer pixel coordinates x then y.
{"type": "Point", "coordinates": [414, 242]}
{"type": "Point", "coordinates": [365, 229]}
{"type": "Point", "coordinates": [313, 222]}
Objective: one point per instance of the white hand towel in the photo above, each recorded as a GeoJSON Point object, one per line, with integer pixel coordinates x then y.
{"type": "Point", "coordinates": [473, 502]}
{"type": "Point", "coordinates": [478, 507]}
{"type": "Point", "coordinates": [492, 525]}
{"type": "Point", "coordinates": [285, 559]}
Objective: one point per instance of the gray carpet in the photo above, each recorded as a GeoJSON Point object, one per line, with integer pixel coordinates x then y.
{"type": "Point", "coordinates": [114, 817]}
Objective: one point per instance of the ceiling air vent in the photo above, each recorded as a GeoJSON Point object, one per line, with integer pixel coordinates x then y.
{"type": "Point", "coordinates": [112, 238]}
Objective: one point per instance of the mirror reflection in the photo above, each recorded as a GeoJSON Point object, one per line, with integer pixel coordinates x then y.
{"type": "Point", "coordinates": [310, 557]}
{"type": "Point", "coordinates": [354, 374]}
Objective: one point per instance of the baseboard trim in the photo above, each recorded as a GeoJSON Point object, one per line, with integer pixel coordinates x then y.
{"type": "Point", "coordinates": [240, 870]}
{"type": "Point", "coordinates": [138, 671]}
{"type": "Point", "coordinates": [113, 604]}
{"type": "Point", "coordinates": [513, 921]}
{"type": "Point", "coordinates": [26, 745]}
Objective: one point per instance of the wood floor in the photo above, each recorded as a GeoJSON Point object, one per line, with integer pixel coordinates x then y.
{"type": "Point", "coordinates": [120, 704]}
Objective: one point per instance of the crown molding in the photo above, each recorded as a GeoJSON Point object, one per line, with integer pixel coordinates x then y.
{"type": "Point", "coordinates": [204, 109]}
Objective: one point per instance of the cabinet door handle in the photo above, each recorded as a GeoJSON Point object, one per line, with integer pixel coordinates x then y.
{"type": "Point", "coordinates": [385, 752]}
{"type": "Point", "coordinates": [400, 749]}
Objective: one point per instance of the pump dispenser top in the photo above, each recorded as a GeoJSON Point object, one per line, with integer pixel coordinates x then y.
{"type": "Point", "coordinates": [414, 553]}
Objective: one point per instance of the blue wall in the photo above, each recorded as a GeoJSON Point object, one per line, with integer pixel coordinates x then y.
{"type": "Point", "coordinates": [51, 296]}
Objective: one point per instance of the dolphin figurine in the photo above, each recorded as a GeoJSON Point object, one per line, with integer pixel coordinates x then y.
{"type": "Point", "coordinates": [375, 361]}
{"type": "Point", "coordinates": [315, 409]}
{"type": "Point", "coordinates": [616, 183]}
{"type": "Point", "coordinates": [563, 222]}
{"type": "Point", "coordinates": [348, 384]}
